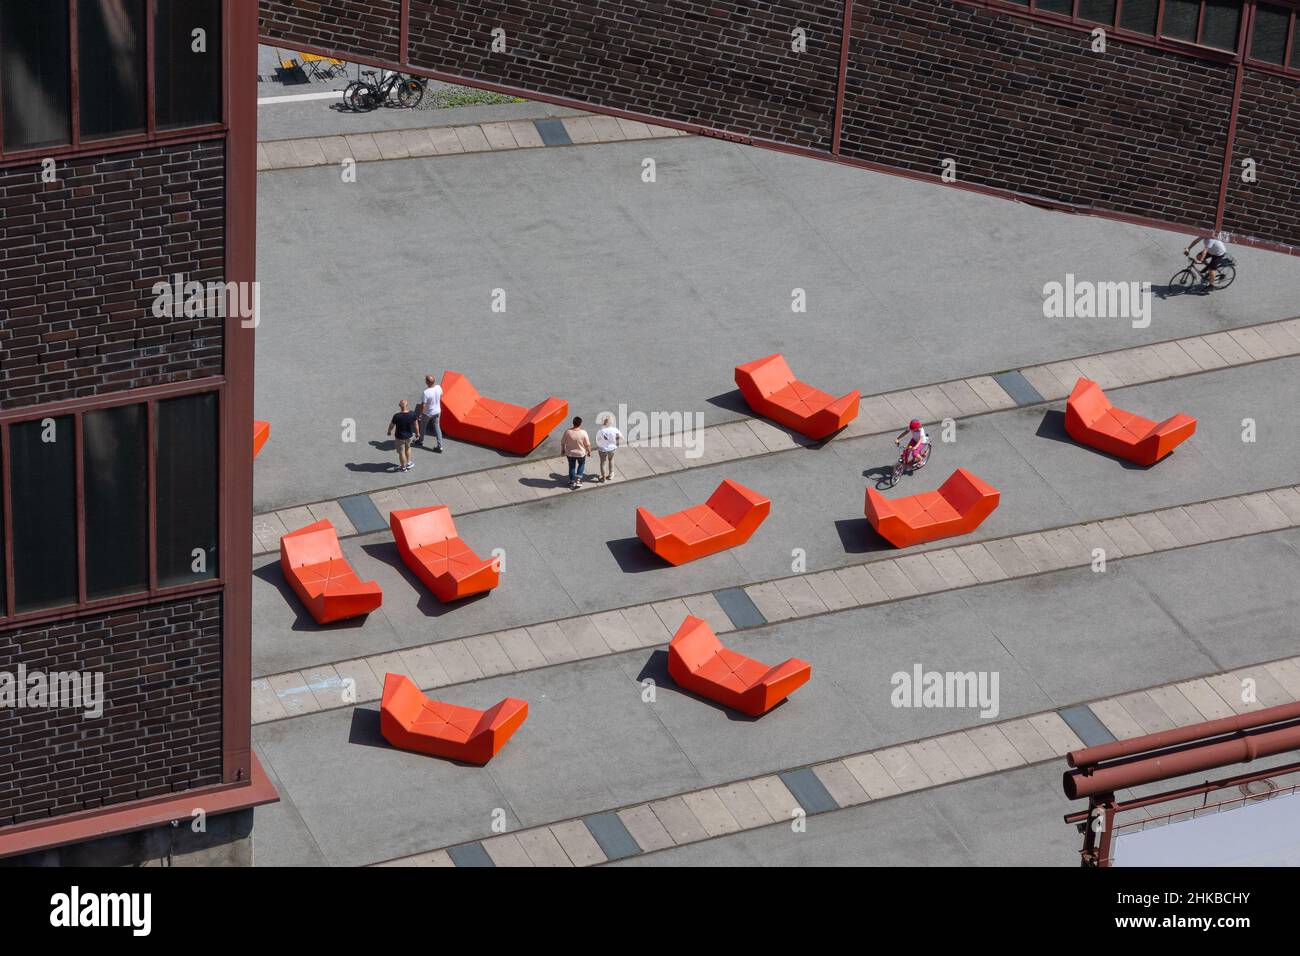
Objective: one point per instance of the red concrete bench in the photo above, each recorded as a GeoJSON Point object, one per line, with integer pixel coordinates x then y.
{"type": "Point", "coordinates": [698, 661]}
{"type": "Point", "coordinates": [485, 421]}
{"type": "Point", "coordinates": [261, 432]}
{"type": "Point", "coordinates": [730, 516]}
{"type": "Point", "coordinates": [315, 568]}
{"type": "Point", "coordinates": [959, 507]}
{"type": "Point", "coordinates": [772, 391]}
{"type": "Point", "coordinates": [411, 721]}
{"type": "Point", "coordinates": [429, 545]}
{"type": "Point", "coordinates": [1090, 419]}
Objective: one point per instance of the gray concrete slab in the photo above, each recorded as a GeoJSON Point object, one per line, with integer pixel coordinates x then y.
{"type": "Point", "coordinates": [578, 553]}
{"type": "Point", "coordinates": [1053, 640]}
{"type": "Point", "coordinates": [1012, 819]}
{"type": "Point", "coordinates": [673, 283]}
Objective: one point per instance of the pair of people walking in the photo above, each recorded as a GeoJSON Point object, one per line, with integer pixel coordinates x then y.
{"type": "Point", "coordinates": [575, 445]}
{"type": "Point", "coordinates": [409, 427]}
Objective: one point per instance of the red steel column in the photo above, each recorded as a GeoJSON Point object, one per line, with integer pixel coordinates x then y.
{"type": "Point", "coordinates": [1243, 44]}
{"type": "Point", "coordinates": [845, 38]}
{"type": "Point", "coordinates": [236, 427]}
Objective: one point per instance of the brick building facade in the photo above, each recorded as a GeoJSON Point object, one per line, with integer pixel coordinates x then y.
{"type": "Point", "coordinates": [1153, 129]}
{"type": "Point", "coordinates": [127, 158]}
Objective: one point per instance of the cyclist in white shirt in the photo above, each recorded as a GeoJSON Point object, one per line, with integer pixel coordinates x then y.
{"type": "Point", "coordinates": [917, 438]}
{"type": "Point", "coordinates": [431, 411]}
{"type": "Point", "coordinates": [607, 441]}
{"type": "Point", "coordinates": [1215, 251]}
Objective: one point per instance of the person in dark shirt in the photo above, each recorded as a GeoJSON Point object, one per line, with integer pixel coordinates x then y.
{"type": "Point", "coordinates": [406, 424]}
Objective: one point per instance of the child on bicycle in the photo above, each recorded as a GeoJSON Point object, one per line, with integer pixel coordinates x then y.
{"type": "Point", "coordinates": [914, 443]}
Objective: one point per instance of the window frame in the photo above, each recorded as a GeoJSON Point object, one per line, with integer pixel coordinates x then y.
{"type": "Point", "coordinates": [76, 408]}
{"type": "Point", "coordinates": [151, 135]}
{"type": "Point", "coordinates": [1157, 41]}
{"type": "Point", "coordinates": [1284, 68]}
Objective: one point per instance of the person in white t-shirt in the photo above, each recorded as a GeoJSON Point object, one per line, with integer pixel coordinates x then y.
{"type": "Point", "coordinates": [607, 441]}
{"type": "Point", "coordinates": [430, 411]}
{"type": "Point", "coordinates": [1215, 251]}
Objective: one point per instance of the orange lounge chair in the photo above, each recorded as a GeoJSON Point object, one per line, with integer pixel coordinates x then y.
{"type": "Point", "coordinates": [428, 543]}
{"type": "Point", "coordinates": [772, 391]}
{"type": "Point", "coordinates": [485, 421]}
{"type": "Point", "coordinates": [698, 661]}
{"type": "Point", "coordinates": [314, 565]}
{"type": "Point", "coordinates": [261, 432]}
{"type": "Point", "coordinates": [1092, 420]}
{"type": "Point", "coordinates": [959, 507]}
{"type": "Point", "coordinates": [410, 721]}
{"type": "Point", "coordinates": [731, 515]}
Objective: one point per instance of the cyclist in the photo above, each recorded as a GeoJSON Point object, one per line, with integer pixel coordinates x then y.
{"type": "Point", "coordinates": [1212, 255]}
{"type": "Point", "coordinates": [914, 443]}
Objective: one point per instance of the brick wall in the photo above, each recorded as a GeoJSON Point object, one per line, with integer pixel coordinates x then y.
{"type": "Point", "coordinates": [369, 27]}
{"type": "Point", "coordinates": [727, 64]}
{"type": "Point", "coordinates": [161, 727]}
{"type": "Point", "coordinates": [1268, 131]}
{"type": "Point", "coordinates": [1028, 107]}
{"type": "Point", "coordinates": [78, 260]}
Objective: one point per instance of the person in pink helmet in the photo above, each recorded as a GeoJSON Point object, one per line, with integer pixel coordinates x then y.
{"type": "Point", "coordinates": [916, 437]}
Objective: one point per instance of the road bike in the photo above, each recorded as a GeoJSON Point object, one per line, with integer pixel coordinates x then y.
{"type": "Point", "coordinates": [365, 95]}
{"type": "Point", "coordinates": [1196, 275]}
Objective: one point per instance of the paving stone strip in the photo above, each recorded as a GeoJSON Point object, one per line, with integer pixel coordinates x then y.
{"type": "Point", "coordinates": [537, 478]}
{"type": "Point", "coordinates": [451, 140]}
{"type": "Point", "coordinates": [879, 580]}
{"type": "Point", "coordinates": [776, 799]}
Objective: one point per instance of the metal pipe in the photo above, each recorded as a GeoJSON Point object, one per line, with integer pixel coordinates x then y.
{"type": "Point", "coordinates": [1091, 756]}
{"type": "Point", "coordinates": [1243, 747]}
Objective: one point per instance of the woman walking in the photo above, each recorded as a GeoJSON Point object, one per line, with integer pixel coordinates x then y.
{"type": "Point", "coordinates": [607, 441]}
{"type": "Point", "coordinates": [576, 446]}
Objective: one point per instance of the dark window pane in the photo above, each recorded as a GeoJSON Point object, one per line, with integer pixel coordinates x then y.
{"type": "Point", "coordinates": [1269, 40]}
{"type": "Point", "coordinates": [1139, 16]}
{"type": "Point", "coordinates": [1181, 17]}
{"type": "Point", "coordinates": [1295, 51]}
{"type": "Point", "coordinates": [43, 468]}
{"type": "Point", "coordinates": [115, 460]}
{"type": "Point", "coordinates": [34, 70]}
{"type": "Point", "coordinates": [110, 58]}
{"type": "Point", "coordinates": [186, 435]}
{"type": "Point", "coordinates": [1055, 6]}
{"type": "Point", "coordinates": [1098, 11]}
{"type": "Point", "coordinates": [187, 82]}
{"type": "Point", "coordinates": [1222, 21]}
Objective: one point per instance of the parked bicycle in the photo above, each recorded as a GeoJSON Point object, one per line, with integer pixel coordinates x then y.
{"type": "Point", "coordinates": [365, 95]}
{"type": "Point", "coordinates": [1196, 275]}
{"type": "Point", "coordinates": [901, 468]}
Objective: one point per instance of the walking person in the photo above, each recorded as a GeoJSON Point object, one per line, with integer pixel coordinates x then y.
{"type": "Point", "coordinates": [406, 426]}
{"type": "Point", "coordinates": [430, 412]}
{"type": "Point", "coordinates": [607, 441]}
{"type": "Point", "coordinates": [575, 445]}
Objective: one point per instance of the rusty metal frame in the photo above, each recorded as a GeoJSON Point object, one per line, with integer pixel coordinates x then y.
{"type": "Point", "coordinates": [1230, 141]}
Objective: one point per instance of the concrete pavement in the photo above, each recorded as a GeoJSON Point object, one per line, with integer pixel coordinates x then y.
{"type": "Point", "coordinates": [577, 553]}
{"type": "Point", "coordinates": [621, 291]}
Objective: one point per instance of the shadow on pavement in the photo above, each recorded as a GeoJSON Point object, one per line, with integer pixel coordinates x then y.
{"type": "Point", "coordinates": [633, 556]}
